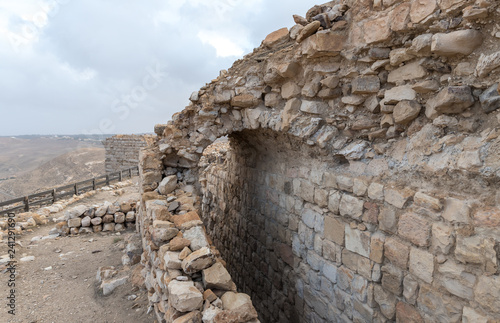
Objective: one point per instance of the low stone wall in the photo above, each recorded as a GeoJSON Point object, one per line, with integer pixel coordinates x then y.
{"type": "Point", "coordinates": [107, 217]}
{"type": "Point", "coordinates": [122, 151]}
{"type": "Point", "coordinates": [184, 273]}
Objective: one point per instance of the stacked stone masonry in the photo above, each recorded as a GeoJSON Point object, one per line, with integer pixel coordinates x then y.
{"type": "Point", "coordinates": [361, 182]}
{"type": "Point", "coordinates": [122, 151]}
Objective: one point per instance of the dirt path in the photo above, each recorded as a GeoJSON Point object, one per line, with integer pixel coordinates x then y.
{"type": "Point", "coordinates": [59, 285]}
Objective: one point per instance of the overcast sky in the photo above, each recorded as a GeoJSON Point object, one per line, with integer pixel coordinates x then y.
{"type": "Point", "coordinates": [115, 66]}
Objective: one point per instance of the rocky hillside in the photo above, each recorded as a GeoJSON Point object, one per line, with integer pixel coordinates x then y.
{"type": "Point", "coordinates": [67, 168]}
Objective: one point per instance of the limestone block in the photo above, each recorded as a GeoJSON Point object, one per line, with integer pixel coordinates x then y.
{"type": "Point", "coordinates": [351, 206]}
{"type": "Point", "coordinates": [456, 211]}
{"type": "Point", "coordinates": [462, 42]}
{"type": "Point", "coordinates": [334, 230]}
{"type": "Point", "coordinates": [422, 264]}
{"type": "Point", "coordinates": [184, 296]}
{"type": "Point", "coordinates": [308, 30]}
{"type": "Point", "coordinates": [407, 313]}
{"type": "Point", "coordinates": [427, 201]}
{"type": "Point", "coordinates": [217, 277]}
{"type": "Point", "coordinates": [487, 217]}
{"type": "Point", "coordinates": [410, 288]}
{"type": "Point", "coordinates": [414, 228]}
{"type": "Point", "coordinates": [487, 63]}
{"type": "Point", "coordinates": [399, 93]}
{"type": "Point", "coordinates": [376, 191]}
{"type": "Point", "coordinates": [75, 222]}
{"type": "Point", "coordinates": [172, 260]}
{"type": "Point", "coordinates": [442, 238]}
{"type": "Point", "coordinates": [490, 99]}
{"type": "Point", "coordinates": [477, 250]}
{"type": "Point", "coordinates": [439, 306]}
{"type": "Point", "coordinates": [386, 301]}
{"type": "Point", "coordinates": [276, 37]}
{"type": "Point", "coordinates": [314, 107]}
{"type": "Point", "coordinates": [197, 237]}
{"type": "Point", "coordinates": [397, 252]}
{"type": "Point", "coordinates": [450, 100]}
{"type": "Point", "coordinates": [422, 9]}
{"type": "Point", "coordinates": [406, 111]}
{"type": "Point", "coordinates": [323, 43]}
{"type": "Point", "coordinates": [119, 217]}
{"type": "Point", "coordinates": [388, 219]}
{"type": "Point", "coordinates": [365, 85]}
{"type": "Point", "coordinates": [471, 316]}
{"type": "Point", "coordinates": [407, 72]}
{"type": "Point", "coordinates": [167, 185]}
{"type": "Point", "coordinates": [198, 260]}
{"type": "Point", "coordinates": [377, 30]}
{"type": "Point", "coordinates": [392, 279]}
{"type": "Point", "coordinates": [357, 241]}
{"type": "Point", "coordinates": [397, 197]}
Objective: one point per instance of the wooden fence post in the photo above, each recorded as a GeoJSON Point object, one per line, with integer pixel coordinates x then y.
{"type": "Point", "coordinates": [54, 195]}
{"type": "Point", "coordinates": [93, 184]}
{"type": "Point", "coordinates": [120, 176]}
{"type": "Point", "coordinates": [26, 204]}
{"type": "Point", "coordinates": [107, 179]}
{"type": "Point", "coordinates": [76, 189]}
{"type": "Point", "coordinates": [130, 173]}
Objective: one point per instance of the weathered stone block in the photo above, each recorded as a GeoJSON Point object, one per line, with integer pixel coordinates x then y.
{"type": "Point", "coordinates": [386, 301]}
{"type": "Point", "coordinates": [334, 230]}
{"type": "Point", "coordinates": [456, 211]}
{"type": "Point", "coordinates": [407, 313]}
{"type": "Point", "coordinates": [462, 42]}
{"type": "Point", "coordinates": [184, 296]}
{"type": "Point", "coordinates": [357, 241]}
{"type": "Point", "coordinates": [392, 279]}
{"type": "Point", "coordinates": [397, 197]}
{"type": "Point", "coordinates": [422, 264]}
{"type": "Point", "coordinates": [351, 206]}
{"type": "Point", "coordinates": [442, 238]}
{"type": "Point", "coordinates": [334, 201]}
{"type": "Point", "coordinates": [397, 252]}
{"type": "Point", "coordinates": [365, 85]}
{"type": "Point", "coordinates": [388, 220]}
{"type": "Point", "coordinates": [414, 228]}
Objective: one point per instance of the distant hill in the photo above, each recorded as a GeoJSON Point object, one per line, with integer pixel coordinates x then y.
{"type": "Point", "coordinates": [30, 163]}
{"type": "Point", "coordinates": [71, 167]}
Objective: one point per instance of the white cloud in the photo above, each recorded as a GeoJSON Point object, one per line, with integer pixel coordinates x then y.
{"type": "Point", "coordinates": [223, 45]}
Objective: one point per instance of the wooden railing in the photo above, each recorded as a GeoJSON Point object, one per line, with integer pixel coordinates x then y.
{"type": "Point", "coordinates": [50, 196]}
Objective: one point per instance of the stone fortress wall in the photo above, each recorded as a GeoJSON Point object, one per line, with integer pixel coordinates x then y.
{"type": "Point", "coordinates": [361, 183]}
{"type": "Point", "coordinates": [122, 151]}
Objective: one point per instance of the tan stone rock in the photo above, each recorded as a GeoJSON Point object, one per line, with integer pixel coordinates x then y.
{"type": "Point", "coordinates": [442, 238]}
{"type": "Point", "coordinates": [193, 317]}
{"type": "Point", "coordinates": [407, 314]}
{"type": "Point", "coordinates": [308, 31]}
{"type": "Point", "coordinates": [487, 217]}
{"type": "Point", "coordinates": [462, 42]}
{"type": "Point", "coordinates": [396, 252]}
{"type": "Point", "coordinates": [400, 17]}
{"type": "Point", "coordinates": [397, 197]}
{"type": "Point", "coordinates": [323, 44]}
{"type": "Point", "coordinates": [217, 277]}
{"type": "Point", "coordinates": [456, 211]}
{"type": "Point", "coordinates": [244, 101]}
{"type": "Point", "coordinates": [377, 30]}
{"type": "Point", "coordinates": [365, 85]}
{"type": "Point", "coordinates": [422, 264]}
{"type": "Point", "coordinates": [407, 72]}
{"type": "Point", "coordinates": [276, 37]}
{"type": "Point", "coordinates": [184, 296]}
{"type": "Point", "coordinates": [178, 243]}
{"type": "Point", "coordinates": [421, 9]}
{"type": "Point", "coordinates": [198, 260]}
{"type": "Point", "coordinates": [290, 113]}
{"type": "Point", "coordinates": [334, 230]}
{"type": "Point", "coordinates": [406, 111]}
{"type": "Point", "coordinates": [414, 228]}
{"type": "Point", "coordinates": [452, 99]}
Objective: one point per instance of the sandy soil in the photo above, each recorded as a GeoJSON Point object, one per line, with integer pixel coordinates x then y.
{"type": "Point", "coordinates": [59, 285]}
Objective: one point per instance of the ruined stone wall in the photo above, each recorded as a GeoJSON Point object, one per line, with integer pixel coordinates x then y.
{"type": "Point", "coordinates": [362, 180]}
{"type": "Point", "coordinates": [122, 151]}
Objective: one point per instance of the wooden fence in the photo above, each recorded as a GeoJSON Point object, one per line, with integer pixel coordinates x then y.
{"type": "Point", "coordinates": [50, 196]}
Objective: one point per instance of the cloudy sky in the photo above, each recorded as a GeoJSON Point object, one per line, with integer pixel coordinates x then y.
{"type": "Point", "coordinates": [115, 66]}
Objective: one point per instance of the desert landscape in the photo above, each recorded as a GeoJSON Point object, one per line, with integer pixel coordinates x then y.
{"type": "Point", "coordinates": [29, 164]}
